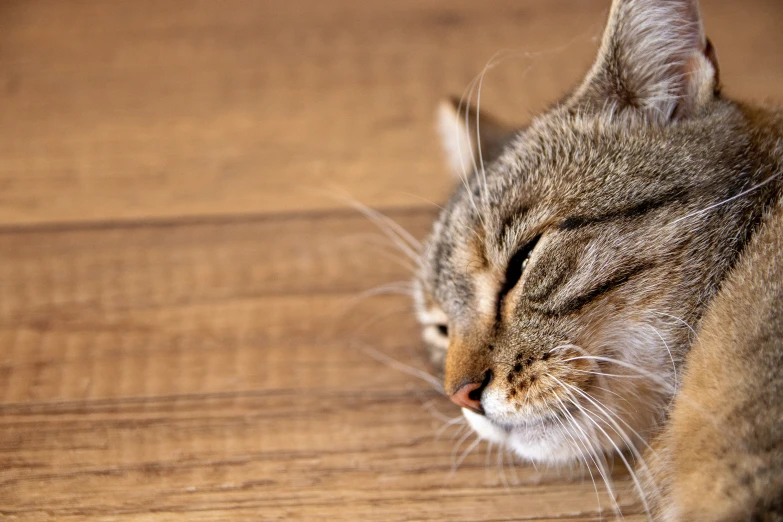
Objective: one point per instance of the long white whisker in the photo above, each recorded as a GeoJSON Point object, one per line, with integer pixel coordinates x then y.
{"type": "Point", "coordinates": [732, 198]}
{"type": "Point", "coordinates": [642, 372]}
{"type": "Point", "coordinates": [610, 416]}
{"type": "Point", "coordinates": [490, 445]}
{"type": "Point", "coordinates": [512, 466]}
{"type": "Point", "coordinates": [607, 390]}
{"type": "Point", "coordinates": [642, 462]}
{"type": "Point", "coordinates": [487, 66]}
{"type": "Point", "coordinates": [674, 367]}
{"type": "Point", "coordinates": [581, 455]}
{"type": "Point", "coordinates": [381, 244]}
{"type": "Point", "coordinates": [462, 427]}
{"type": "Point", "coordinates": [448, 424]}
{"type": "Point", "coordinates": [405, 368]}
{"type": "Point", "coordinates": [456, 450]}
{"type": "Point", "coordinates": [501, 466]}
{"type": "Point", "coordinates": [467, 451]}
{"type": "Point", "coordinates": [634, 477]}
{"type": "Point", "coordinates": [616, 375]}
{"type": "Point", "coordinates": [376, 318]}
{"type": "Point", "coordinates": [695, 335]}
{"type": "Point", "coordinates": [409, 245]}
{"type": "Point", "coordinates": [601, 467]}
{"type": "Point", "coordinates": [422, 198]}
{"type": "Point", "coordinates": [387, 289]}
{"type": "Point", "coordinates": [628, 466]}
{"type": "Point", "coordinates": [464, 175]}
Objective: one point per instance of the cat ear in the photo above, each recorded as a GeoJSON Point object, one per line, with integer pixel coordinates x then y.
{"type": "Point", "coordinates": [457, 124]}
{"type": "Point", "coordinates": [654, 60]}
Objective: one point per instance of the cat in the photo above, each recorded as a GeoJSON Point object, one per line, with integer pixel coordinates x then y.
{"type": "Point", "coordinates": [609, 278]}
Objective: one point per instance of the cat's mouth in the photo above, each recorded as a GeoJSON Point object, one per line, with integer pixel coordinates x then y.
{"type": "Point", "coordinates": [535, 438]}
{"type": "Point", "coordinates": [504, 427]}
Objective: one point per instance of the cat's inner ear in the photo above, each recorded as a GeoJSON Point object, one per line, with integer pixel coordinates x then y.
{"type": "Point", "coordinates": [654, 60]}
{"type": "Point", "coordinates": [469, 137]}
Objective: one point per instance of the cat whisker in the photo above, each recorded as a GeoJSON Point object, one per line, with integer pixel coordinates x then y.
{"type": "Point", "coordinates": [582, 455]}
{"type": "Point", "coordinates": [404, 368]}
{"type": "Point", "coordinates": [422, 198]}
{"type": "Point", "coordinates": [455, 451]}
{"type": "Point", "coordinates": [472, 86]}
{"type": "Point", "coordinates": [512, 465]}
{"type": "Point", "coordinates": [632, 473]}
{"type": "Point", "coordinates": [391, 289]}
{"type": "Point", "coordinates": [572, 346]}
{"type": "Point", "coordinates": [495, 60]}
{"type": "Point", "coordinates": [501, 467]}
{"type": "Point", "coordinates": [607, 390]}
{"type": "Point", "coordinates": [487, 456]}
{"type": "Point", "coordinates": [428, 406]}
{"type": "Point", "coordinates": [462, 428]}
{"type": "Point", "coordinates": [666, 345]}
{"type": "Point", "coordinates": [641, 464]}
{"type": "Point", "coordinates": [466, 453]}
{"type": "Point", "coordinates": [641, 372]}
{"type": "Point", "coordinates": [527, 396]}
{"type": "Point", "coordinates": [464, 177]}
{"type": "Point", "coordinates": [400, 237]}
{"type": "Point", "coordinates": [615, 375]}
{"type": "Point", "coordinates": [487, 66]}
{"type": "Point", "coordinates": [596, 455]}
{"type": "Point", "coordinates": [620, 432]}
{"type": "Point", "coordinates": [397, 288]}
{"type": "Point", "coordinates": [606, 471]}
{"type": "Point", "coordinates": [375, 318]}
{"type": "Point", "coordinates": [457, 421]}
{"type": "Point", "coordinates": [678, 319]}
{"type": "Point", "coordinates": [381, 244]}
{"type": "Point", "coordinates": [727, 200]}
{"type": "Point", "coordinates": [610, 416]}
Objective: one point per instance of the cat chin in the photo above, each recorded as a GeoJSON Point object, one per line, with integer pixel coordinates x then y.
{"type": "Point", "coordinates": [540, 442]}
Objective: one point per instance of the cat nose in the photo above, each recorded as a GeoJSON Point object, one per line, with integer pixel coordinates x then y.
{"type": "Point", "coordinates": [469, 396]}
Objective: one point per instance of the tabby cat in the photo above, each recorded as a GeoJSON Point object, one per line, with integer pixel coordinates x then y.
{"type": "Point", "coordinates": [609, 279]}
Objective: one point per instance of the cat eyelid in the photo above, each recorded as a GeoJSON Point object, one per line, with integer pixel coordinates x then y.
{"type": "Point", "coordinates": [514, 270]}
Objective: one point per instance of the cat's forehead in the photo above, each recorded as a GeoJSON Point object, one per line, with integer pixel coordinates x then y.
{"type": "Point", "coordinates": [567, 163]}
{"type": "Point", "coordinates": [564, 170]}
{"type": "Point", "coordinates": [552, 165]}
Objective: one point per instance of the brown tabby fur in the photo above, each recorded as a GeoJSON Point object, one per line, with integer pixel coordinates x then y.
{"type": "Point", "coordinates": [650, 306]}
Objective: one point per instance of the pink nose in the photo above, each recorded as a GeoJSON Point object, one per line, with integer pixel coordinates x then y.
{"type": "Point", "coordinates": [469, 396]}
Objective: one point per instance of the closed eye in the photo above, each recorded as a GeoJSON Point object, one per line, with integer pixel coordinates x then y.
{"type": "Point", "coordinates": [516, 265]}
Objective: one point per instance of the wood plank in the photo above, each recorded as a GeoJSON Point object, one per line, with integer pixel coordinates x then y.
{"type": "Point", "coordinates": [215, 370]}
{"type": "Point", "coordinates": [276, 456]}
{"type": "Point", "coordinates": [180, 331]}
{"type": "Point", "coordinates": [131, 110]}
{"type": "Point", "coordinates": [203, 297]}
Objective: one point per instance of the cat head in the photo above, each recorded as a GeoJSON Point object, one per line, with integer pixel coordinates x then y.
{"type": "Point", "coordinates": [563, 281]}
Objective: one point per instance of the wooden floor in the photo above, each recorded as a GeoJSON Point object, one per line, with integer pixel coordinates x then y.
{"type": "Point", "coordinates": [182, 332]}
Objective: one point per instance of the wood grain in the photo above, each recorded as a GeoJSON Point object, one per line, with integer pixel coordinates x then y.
{"type": "Point", "coordinates": [184, 333]}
